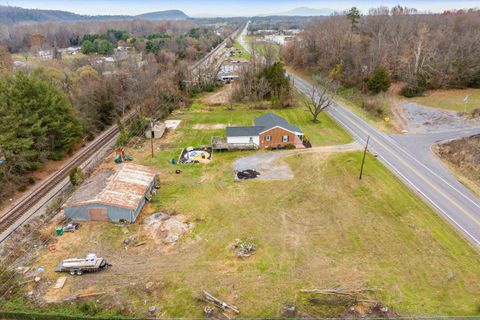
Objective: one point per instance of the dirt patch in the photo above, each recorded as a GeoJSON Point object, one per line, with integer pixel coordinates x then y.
{"type": "Point", "coordinates": [166, 229]}
{"type": "Point", "coordinates": [463, 155]}
{"type": "Point", "coordinates": [208, 126]}
{"type": "Point", "coordinates": [220, 97]}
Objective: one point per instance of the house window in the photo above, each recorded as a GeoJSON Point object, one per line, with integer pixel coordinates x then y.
{"type": "Point", "coordinates": [285, 139]}
{"type": "Point", "coordinates": [251, 139]}
{"type": "Point", "coordinates": [268, 138]}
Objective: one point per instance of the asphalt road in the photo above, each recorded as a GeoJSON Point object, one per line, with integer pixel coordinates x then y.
{"type": "Point", "coordinates": [428, 178]}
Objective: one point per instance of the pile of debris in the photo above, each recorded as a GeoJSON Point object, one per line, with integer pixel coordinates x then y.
{"type": "Point", "coordinates": [195, 155]}
{"type": "Point", "coordinates": [247, 174]}
{"type": "Point", "coordinates": [244, 248]}
{"type": "Point", "coordinates": [166, 228]}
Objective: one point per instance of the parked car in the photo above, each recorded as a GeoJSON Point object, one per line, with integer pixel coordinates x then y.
{"type": "Point", "coordinates": [71, 227]}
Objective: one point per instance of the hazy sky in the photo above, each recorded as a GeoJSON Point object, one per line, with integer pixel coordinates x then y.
{"type": "Point", "coordinates": [225, 7]}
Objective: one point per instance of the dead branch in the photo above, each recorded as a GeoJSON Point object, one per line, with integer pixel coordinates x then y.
{"type": "Point", "coordinates": [345, 292]}
{"type": "Point", "coordinates": [219, 303]}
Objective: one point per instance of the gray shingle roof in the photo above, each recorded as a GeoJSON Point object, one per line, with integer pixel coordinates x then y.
{"type": "Point", "coordinates": [270, 120]}
{"type": "Point", "coordinates": [262, 124]}
{"type": "Point", "coordinates": [247, 131]}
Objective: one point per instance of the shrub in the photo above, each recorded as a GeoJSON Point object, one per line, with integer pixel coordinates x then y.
{"type": "Point", "coordinates": [76, 176]}
{"type": "Point", "coordinates": [476, 113]}
{"type": "Point", "coordinates": [410, 91]}
{"type": "Point", "coordinates": [289, 146]}
{"type": "Point", "coordinates": [379, 81]}
{"type": "Point", "coordinates": [373, 106]}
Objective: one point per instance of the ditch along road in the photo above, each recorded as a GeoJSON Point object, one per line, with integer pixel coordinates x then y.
{"type": "Point", "coordinates": [441, 190]}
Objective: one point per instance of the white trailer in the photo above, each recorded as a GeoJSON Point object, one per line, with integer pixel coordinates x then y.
{"type": "Point", "coordinates": [77, 266]}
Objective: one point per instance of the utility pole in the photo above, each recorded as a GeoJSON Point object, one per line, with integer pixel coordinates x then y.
{"type": "Point", "coordinates": [363, 160]}
{"type": "Point", "coordinates": [152, 133]}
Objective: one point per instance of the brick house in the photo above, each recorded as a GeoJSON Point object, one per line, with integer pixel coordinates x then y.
{"type": "Point", "coordinates": [268, 131]}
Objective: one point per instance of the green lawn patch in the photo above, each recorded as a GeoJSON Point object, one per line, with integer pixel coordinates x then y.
{"type": "Point", "coordinates": [450, 99]}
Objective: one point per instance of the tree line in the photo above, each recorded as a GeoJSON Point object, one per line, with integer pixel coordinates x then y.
{"type": "Point", "coordinates": [49, 108]}
{"type": "Point", "coordinates": [23, 38]}
{"type": "Point", "coordinates": [424, 51]}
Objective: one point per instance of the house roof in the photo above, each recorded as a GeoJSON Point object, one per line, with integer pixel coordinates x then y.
{"type": "Point", "coordinates": [121, 186]}
{"type": "Point", "coordinates": [270, 120]}
{"type": "Point", "coordinates": [244, 131]}
{"type": "Point", "coordinates": [262, 124]}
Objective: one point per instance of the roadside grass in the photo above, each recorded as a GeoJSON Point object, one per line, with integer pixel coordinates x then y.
{"type": "Point", "coordinates": [352, 99]}
{"type": "Point", "coordinates": [244, 54]}
{"type": "Point", "coordinates": [450, 99]}
{"type": "Point", "coordinates": [323, 229]}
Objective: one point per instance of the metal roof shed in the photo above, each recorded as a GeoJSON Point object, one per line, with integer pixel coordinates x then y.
{"type": "Point", "coordinates": [114, 194]}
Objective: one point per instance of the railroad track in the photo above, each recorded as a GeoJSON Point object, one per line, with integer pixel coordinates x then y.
{"type": "Point", "coordinates": [19, 210]}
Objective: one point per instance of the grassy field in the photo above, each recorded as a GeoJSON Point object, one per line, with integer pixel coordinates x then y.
{"type": "Point", "coordinates": [327, 132]}
{"type": "Point", "coordinates": [323, 229]}
{"type": "Point", "coordinates": [450, 99]}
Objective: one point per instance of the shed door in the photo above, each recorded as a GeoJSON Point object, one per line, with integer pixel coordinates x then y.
{"type": "Point", "coordinates": [98, 214]}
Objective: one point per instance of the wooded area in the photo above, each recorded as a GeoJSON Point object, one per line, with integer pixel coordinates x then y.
{"type": "Point", "coordinates": [425, 51]}
{"type": "Point", "coordinates": [48, 106]}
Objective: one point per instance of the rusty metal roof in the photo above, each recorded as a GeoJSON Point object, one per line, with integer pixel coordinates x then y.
{"type": "Point", "coordinates": [123, 186]}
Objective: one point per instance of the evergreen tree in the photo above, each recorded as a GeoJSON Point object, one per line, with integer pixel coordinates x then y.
{"type": "Point", "coordinates": [103, 47]}
{"type": "Point", "coordinates": [37, 122]}
{"type": "Point", "coordinates": [354, 16]}
{"type": "Point", "coordinates": [379, 81]}
{"type": "Point", "coordinates": [88, 47]}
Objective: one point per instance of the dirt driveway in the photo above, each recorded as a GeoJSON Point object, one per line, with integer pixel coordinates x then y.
{"type": "Point", "coordinates": [272, 167]}
{"type": "Point", "coordinates": [219, 97]}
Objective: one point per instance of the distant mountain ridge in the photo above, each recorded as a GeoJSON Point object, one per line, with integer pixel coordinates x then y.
{"type": "Point", "coordinates": [10, 15]}
{"type": "Point", "coordinates": [305, 12]}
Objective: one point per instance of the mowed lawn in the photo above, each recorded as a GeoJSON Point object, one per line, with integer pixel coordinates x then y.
{"type": "Point", "coordinates": [323, 229]}
{"type": "Point", "coordinates": [326, 132]}
{"type": "Point", "coordinates": [450, 99]}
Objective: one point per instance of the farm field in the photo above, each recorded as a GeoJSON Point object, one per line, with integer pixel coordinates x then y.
{"type": "Point", "coordinates": [450, 99]}
{"type": "Point", "coordinates": [322, 229]}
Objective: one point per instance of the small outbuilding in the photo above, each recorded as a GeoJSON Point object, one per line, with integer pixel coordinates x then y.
{"type": "Point", "coordinates": [115, 194]}
{"type": "Point", "coordinates": [156, 132]}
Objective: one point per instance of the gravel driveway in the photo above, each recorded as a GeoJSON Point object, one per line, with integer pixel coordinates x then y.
{"type": "Point", "coordinates": [422, 119]}
{"type": "Point", "coordinates": [271, 166]}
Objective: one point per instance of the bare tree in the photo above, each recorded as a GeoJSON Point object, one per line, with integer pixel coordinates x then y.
{"type": "Point", "coordinates": [5, 60]}
{"type": "Point", "coordinates": [317, 101]}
